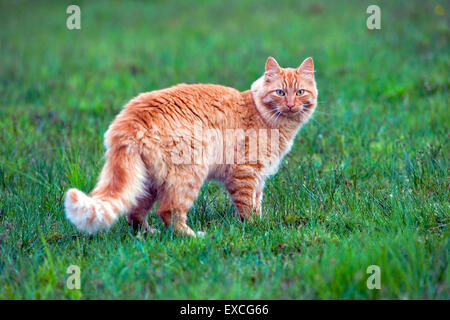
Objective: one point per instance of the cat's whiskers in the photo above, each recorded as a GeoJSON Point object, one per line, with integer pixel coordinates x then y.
{"type": "Point", "coordinates": [270, 120]}
{"type": "Point", "coordinates": [268, 112]}
{"type": "Point", "coordinates": [310, 117]}
{"type": "Point", "coordinates": [275, 118]}
{"type": "Point", "coordinates": [272, 117]}
{"type": "Point", "coordinates": [326, 113]}
{"type": "Point", "coordinates": [271, 113]}
{"type": "Point", "coordinates": [279, 114]}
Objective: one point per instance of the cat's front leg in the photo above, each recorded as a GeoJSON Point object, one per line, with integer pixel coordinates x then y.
{"type": "Point", "coordinates": [246, 192]}
{"type": "Point", "coordinates": [259, 196]}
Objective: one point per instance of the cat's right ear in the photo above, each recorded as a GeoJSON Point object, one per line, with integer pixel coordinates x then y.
{"type": "Point", "coordinates": [272, 68]}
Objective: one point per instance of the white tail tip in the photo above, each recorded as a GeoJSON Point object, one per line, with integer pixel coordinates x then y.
{"type": "Point", "coordinates": [87, 214]}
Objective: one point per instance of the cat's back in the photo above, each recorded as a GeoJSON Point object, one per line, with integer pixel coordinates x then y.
{"type": "Point", "coordinates": [188, 98]}
{"type": "Point", "coordinates": [182, 106]}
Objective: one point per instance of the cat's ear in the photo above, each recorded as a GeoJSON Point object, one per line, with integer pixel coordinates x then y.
{"type": "Point", "coordinates": [272, 68]}
{"type": "Point", "coordinates": [307, 68]}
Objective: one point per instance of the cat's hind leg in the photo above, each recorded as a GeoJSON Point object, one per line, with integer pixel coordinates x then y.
{"type": "Point", "coordinates": [177, 197]}
{"type": "Point", "coordinates": [137, 216]}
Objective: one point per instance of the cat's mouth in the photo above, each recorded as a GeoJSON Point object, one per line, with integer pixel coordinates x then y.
{"type": "Point", "coordinates": [290, 112]}
{"type": "Point", "coordinates": [277, 112]}
{"type": "Point", "coordinates": [295, 111]}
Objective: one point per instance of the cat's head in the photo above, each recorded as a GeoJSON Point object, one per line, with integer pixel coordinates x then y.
{"type": "Point", "coordinates": [286, 93]}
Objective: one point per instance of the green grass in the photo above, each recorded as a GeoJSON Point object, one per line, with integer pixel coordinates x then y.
{"type": "Point", "coordinates": [367, 181]}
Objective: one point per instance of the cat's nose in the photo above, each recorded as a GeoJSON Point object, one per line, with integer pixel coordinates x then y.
{"type": "Point", "coordinates": [290, 105]}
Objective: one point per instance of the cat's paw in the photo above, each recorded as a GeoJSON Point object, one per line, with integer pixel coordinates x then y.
{"type": "Point", "coordinates": [149, 231]}
{"type": "Point", "coordinates": [200, 234]}
{"type": "Point", "coordinates": [152, 231]}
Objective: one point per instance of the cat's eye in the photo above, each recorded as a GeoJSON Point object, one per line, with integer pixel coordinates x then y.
{"type": "Point", "coordinates": [300, 92]}
{"type": "Point", "coordinates": [280, 92]}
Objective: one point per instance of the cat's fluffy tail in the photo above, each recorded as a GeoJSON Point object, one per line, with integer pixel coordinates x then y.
{"type": "Point", "coordinates": [121, 183]}
{"type": "Point", "coordinates": [88, 214]}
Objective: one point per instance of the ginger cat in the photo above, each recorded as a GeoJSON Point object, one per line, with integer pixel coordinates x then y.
{"type": "Point", "coordinates": [156, 153]}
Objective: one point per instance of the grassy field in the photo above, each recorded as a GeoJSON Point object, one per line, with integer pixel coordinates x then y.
{"type": "Point", "coordinates": [367, 182]}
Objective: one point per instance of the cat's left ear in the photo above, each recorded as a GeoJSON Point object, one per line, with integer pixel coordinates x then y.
{"type": "Point", "coordinates": [307, 68]}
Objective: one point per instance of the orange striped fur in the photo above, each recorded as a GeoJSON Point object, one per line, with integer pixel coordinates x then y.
{"type": "Point", "coordinates": [156, 129]}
